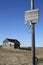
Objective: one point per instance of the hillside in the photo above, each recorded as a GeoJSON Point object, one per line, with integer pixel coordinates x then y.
{"type": "Point", "coordinates": [19, 56]}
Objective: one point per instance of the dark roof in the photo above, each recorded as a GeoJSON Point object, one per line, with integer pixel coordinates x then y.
{"type": "Point", "coordinates": [12, 40]}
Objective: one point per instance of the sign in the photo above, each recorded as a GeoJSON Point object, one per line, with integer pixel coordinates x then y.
{"type": "Point", "coordinates": [31, 16]}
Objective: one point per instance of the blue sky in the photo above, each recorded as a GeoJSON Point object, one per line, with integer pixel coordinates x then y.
{"type": "Point", "coordinates": [12, 23]}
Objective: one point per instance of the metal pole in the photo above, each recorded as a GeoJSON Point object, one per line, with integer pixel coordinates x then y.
{"type": "Point", "coordinates": [33, 36]}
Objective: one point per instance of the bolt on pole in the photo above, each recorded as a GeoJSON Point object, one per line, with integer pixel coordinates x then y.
{"type": "Point", "coordinates": [33, 36]}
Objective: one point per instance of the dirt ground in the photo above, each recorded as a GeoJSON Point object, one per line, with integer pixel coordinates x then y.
{"type": "Point", "coordinates": [19, 57]}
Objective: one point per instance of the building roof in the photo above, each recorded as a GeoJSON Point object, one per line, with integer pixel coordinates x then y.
{"type": "Point", "coordinates": [12, 40]}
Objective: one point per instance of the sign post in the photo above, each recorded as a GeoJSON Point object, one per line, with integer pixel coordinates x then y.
{"type": "Point", "coordinates": [32, 17]}
{"type": "Point", "coordinates": [33, 36]}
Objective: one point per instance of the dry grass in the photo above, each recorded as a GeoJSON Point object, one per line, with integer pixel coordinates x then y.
{"type": "Point", "coordinates": [19, 57]}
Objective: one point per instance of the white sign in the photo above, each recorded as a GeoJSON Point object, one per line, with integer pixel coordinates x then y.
{"type": "Point", "coordinates": [31, 16]}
